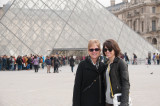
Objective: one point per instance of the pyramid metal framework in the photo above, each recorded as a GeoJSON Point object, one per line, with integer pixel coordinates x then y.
{"type": "Point", "coordinates": [36, 26]}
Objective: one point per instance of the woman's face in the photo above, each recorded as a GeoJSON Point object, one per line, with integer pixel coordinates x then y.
{"type": "Point", "coordinates": [94, 51]}
{"type": "Point", "coordinates": [110, 53]}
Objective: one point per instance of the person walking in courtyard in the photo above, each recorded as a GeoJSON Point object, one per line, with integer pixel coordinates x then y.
{"type": "Point", "coordinates": [48, 63]}
{"type": "Point", "coordinates": [149, 59]}
{"type": "Point", "coordinates": [154, 58]}
{"type": "Point", "coordinates": [116, 77]}
{"type": "Point", "coordinates": [71, 61]}
{"type": "Point", "coordinates": [89, 87]}
{"type": "Point", "coordinates": [157, 58]}
{"type": "Point", "coordinates": [134, 58]}
{"type": "Point", "coordinates": [126, 58]}
{"type": "Point", "coordinates": [36, 63]}
{"type": "Point", "coordinates": [56, 64]}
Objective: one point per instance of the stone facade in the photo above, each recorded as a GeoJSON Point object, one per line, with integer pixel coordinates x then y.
{"type": "Point", "coordinates": [143, 16]}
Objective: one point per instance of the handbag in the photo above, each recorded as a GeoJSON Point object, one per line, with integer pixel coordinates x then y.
{"type": "Point", "coordinates": [117, 97]}
{"type": "Point", "coordinates": [117, 100]}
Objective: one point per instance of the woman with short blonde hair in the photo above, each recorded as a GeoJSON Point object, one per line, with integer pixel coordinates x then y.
{"type": "Point", "coordinates": [89, 87]}
{"type": "Point", "coordinates": [94, 41]}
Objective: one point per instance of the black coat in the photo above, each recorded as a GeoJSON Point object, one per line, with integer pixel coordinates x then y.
{"type": "Point", "coordinates": [86, 74]}
{"type": "Point", "coordinates": [71, 61]}
{"type": "Point", "coordinates": [120, 79]}
{"type": "Point", "coordinates": [19, 61]}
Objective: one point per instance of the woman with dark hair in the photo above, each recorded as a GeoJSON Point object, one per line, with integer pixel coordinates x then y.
{"type": "Point", "coordinates": [89, 86]}
{"type": "Point", "coordinates": [116, 76]}
{"type": "Point", "coordinates": [36, 63]}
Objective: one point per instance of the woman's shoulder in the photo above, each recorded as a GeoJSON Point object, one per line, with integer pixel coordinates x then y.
{"type": "Point", "coordinates": [122, 63]}
{"type": "Point", "coordinates": [83, 62]}
{"type": "Point", "coordinates": [118, 60]}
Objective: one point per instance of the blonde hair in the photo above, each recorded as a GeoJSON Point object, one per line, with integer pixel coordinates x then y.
{"type": "Point", "coordinates": [94, 41]}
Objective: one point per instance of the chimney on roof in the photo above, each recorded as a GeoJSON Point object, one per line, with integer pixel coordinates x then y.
{"type": "Point", "coordinates": [112, 2]}
{"type": "Point", "coordinates": [126, 1]}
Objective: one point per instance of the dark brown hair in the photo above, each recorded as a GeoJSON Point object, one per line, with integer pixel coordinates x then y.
{"type": "Point", "coordinates": [111, 44]}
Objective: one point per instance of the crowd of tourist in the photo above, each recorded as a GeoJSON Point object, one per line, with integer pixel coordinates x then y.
{"type": "Point", "coordinates": [34, 62]}
{"type": "Point", "coordinates": [155, 58]}
{"type": "Point", "coordinates": [56, 61]}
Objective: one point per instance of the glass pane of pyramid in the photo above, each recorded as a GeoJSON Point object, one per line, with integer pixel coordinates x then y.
{"type": "Point", "coordinates": [36, 26]}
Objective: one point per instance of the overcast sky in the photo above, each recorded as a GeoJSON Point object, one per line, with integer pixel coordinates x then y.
{"type": "Point", "coordinates": [107, 2]}
{"type": "Point", "coordinates": [104, 2]}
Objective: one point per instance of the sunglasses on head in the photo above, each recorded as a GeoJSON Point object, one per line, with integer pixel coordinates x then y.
{"type": "Point", "coordinates": [96, 49]}
{"type": "Point", "coordinates": [105, 50]}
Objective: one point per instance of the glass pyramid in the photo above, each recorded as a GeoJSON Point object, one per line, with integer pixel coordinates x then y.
{"type": "Point", "coordinates": [36, 26]}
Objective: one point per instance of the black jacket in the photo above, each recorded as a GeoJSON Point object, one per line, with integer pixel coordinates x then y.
{"type": "Point", "coordinates": [56, 62]}
{"type": "Point", "coordinates": [48, 61]}
{"type": "Point", "coordinates": [120, 79]}
{"type": "Point", "coordinates": [19, 61]}
{"type": "Point", "coordinates": [86, 74]}
{"type": "Point", "coordinates": [71, 61]}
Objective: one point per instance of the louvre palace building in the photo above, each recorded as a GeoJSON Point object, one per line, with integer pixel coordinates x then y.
{"type": "Point", "coordinates": [44, 27]}
{"type": "Point", "coordinates": [143, 16]}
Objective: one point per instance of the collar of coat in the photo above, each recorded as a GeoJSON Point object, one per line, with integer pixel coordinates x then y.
{"type": "Point", "coordinates": [98, 67]}
{"type": "Point", "coordinates": [116, 59]}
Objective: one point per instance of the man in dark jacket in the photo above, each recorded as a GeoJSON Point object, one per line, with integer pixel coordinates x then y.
{"type": "Point", "coordinates": [126, 58]}
{"type": "Point", "coordinates": [71, 61]}
{"type": "Point", "coordinates": [19, 61]}
{"type": "Point", "coordinates": [56, 64]}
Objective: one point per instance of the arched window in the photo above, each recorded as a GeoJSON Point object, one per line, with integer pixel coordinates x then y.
{"type": "Point", "coordinates": [154, 41]}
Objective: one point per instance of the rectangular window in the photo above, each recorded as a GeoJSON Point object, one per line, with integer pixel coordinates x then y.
{"type": "Point", "coordinates": [153, 9]}
{"type": "Point", "coordinates": [135, 1]}
{"type": "Point", "coordinates": [142, 26]}
{"type": "Point", "coordinates": [134, 25]}
{"type": "Point", "coordinates": [154, 25]}
{"type": "Point", "coordinates": [142, 10]}
{"type": "Point", "coordinates": [129, 15]}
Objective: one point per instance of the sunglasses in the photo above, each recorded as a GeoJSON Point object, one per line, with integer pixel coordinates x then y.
{"type": "Point", "coordinates": [105, 50]}
{"type": "Point", "coordinates": [96, 49]}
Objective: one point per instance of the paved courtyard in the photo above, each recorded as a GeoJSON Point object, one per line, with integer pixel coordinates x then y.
{"type": "Point", "coordinates": [26, 88]}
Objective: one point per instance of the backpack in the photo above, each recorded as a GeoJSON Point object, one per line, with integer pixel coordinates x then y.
{"type": "Point", "coordinates": [41, 60]}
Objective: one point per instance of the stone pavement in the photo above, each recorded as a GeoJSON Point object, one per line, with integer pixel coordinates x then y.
{"type": "Point", "coordinates": [27, 88]}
